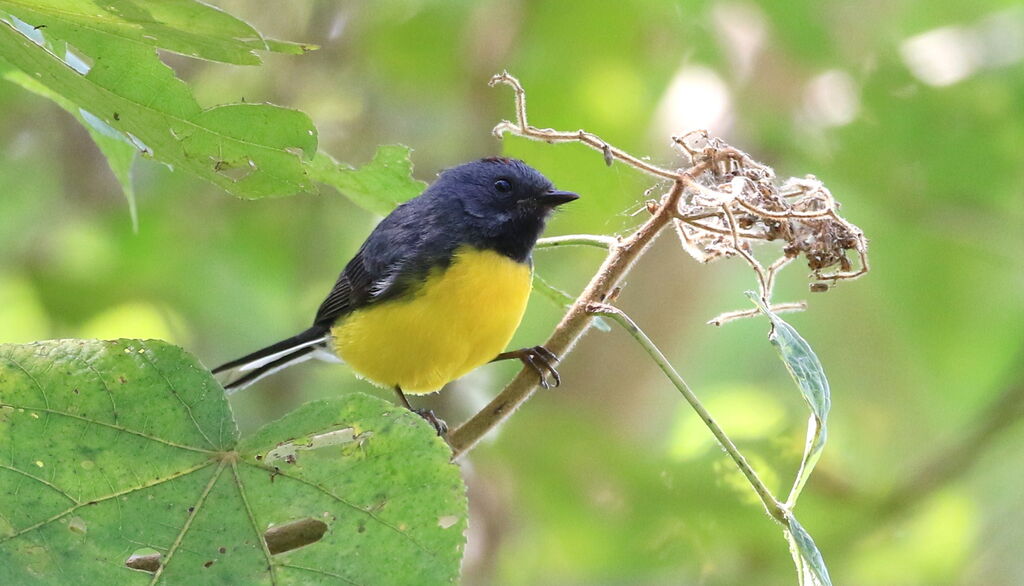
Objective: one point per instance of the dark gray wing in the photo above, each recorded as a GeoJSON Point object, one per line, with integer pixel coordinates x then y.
{"type": "Point", "coordinates": [399, 251]}
{"type": "Point", "coordinates": [350, 291]}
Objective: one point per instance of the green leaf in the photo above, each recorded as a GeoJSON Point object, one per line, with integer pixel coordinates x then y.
{"type": "Point", "coordinates": [810, 564]}
{"type": "Point", "coordinates": [115, 448]}
{"type": "Point", "coordinates": [805, 368]}
{"type": "Point", "coordinates": [183, 26]}
{"type": "Point", "coordinates": [378, 186]}
{"type": "Point", "coordinates": [800, 360]}
{"type": "Point", "coordinates": [251, 150]}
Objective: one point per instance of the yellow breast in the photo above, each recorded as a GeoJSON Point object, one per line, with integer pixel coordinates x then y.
{"type": "Point", "coordinates": [461, 318]}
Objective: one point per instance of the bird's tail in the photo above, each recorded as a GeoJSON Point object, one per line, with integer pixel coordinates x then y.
{"type": "Point", "coordinates": [252, 367]}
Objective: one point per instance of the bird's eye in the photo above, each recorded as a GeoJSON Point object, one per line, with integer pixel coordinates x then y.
{"type": "Point", "coordinates": [503, 185]}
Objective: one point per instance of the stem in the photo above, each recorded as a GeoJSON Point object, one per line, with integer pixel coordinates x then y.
{"type": "Point", "coordinates": [622, 254]}
{"type": "Point", "coordinates": [521, 128]}
{"type": "Point", "coordinates": [771, 504]}
{"type": "Point", "coordinates": [605, 242]}
{"type": "Point", "coordinates": [724, 318]}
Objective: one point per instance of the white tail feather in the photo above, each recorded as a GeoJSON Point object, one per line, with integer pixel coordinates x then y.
{"type": "Point", "coordinates": [272, 357]}
{"type": "Point", "coordinates": [297, 360]}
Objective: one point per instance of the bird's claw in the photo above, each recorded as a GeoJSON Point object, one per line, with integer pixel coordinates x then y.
{"type": "Point", "coordinates": [542, 361]}
{"type": "Point", "coordinates": [439, 424]}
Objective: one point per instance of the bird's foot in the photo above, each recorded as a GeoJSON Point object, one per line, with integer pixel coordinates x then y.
{"type": "Point", "coordinates": [542, 361]}
{"type": "Point", "coordinates": [439, 424]}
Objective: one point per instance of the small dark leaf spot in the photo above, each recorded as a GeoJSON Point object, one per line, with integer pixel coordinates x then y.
{"type": "Point", "coordinates": [191, 509]}
{"type": "Point", "coordinates": [117, 116]}
{"type": "Point", "coordinates": [122, 380]}
{"type": "Point", "coordinates": [208, 564]}
{"type": "Point", "coordinates": [222, 549]}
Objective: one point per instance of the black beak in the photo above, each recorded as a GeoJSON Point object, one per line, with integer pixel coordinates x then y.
{"type": "Point", "coordinates": [556, 198]}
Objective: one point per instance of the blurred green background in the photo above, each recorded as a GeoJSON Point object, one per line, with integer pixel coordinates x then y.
{"type": "Point", "coordinates": [911, 112]}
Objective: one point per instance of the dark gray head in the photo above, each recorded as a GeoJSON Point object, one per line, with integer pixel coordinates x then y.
{"type": "Point", "coordinates": [506, 202]}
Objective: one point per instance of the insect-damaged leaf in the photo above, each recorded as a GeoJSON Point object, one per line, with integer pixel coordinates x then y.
{"type": "Point", "coordinates": [250, 150]}
{"type": "Point", "coordinates": [183, 26]}
{"type": "Point", "coordinates": [378, 186]}
{"type": "Point", "coordinates": [115, 448]}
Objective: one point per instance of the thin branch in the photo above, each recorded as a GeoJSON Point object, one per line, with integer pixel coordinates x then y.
{"type": "Point", "coordinates": [771, 504]}
{"type": "Point", "coordinates": [731, 173]}
{"type": "Point", "coordinates": [521, 128]}
{"type": "Point", "coordinates": [598, 241]}
{"type": "Point", "coordinates": [762, 279]}
{"type": "Point", "coordinates": [621, 257]}
{"type": "Point", "coordinates": [724, 318]}
{"type": "Point", "coordinates": [722, 231]}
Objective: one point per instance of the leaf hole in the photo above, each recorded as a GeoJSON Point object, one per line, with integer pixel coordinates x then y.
{"type": "Point", "coordinates": [235, 170]}
{"type": "Point", "coordinates": [77, 60]}
{"type": "Point", "coordinates": [289, 451]}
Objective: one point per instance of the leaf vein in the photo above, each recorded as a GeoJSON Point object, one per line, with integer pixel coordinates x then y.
{"type": "Point", "coordinates": [324, 490]}
{"type": "Point", "coordinates": [188, 522]}
{"type": "Point", "coordinates": [42, 481]}
{"type": "Point", "coordinates": [105, 498]}
{"type": "Point", "coordinates": [120, 428]}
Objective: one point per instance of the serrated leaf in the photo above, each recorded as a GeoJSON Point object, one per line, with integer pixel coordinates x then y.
{"type": "Point", "coordinates": [250, 150]}
{"type": "Point", "coordinates": [182, 26]}
{"type": "Point", "coordinates": [378, 186]}
{"type": "Point", "coordinates": [129, 446]}
{"type": "Point", "coordinates": [811, 565]}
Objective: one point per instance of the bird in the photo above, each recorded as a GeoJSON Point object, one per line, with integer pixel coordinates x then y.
{"type": "Point", "coordinates": [438, 288]}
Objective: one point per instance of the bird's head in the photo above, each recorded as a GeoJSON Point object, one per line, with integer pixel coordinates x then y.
{"type": "Point", "coordinates": [504, 203]}
{"type": "Point", "coordinates": [501, 189]}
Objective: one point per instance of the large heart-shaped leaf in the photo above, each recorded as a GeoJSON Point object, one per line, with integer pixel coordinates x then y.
{"type": "Point", "coordinates": [121, 455]}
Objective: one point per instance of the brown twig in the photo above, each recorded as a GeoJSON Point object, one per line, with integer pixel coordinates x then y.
{"type": "Point", "coordinates": [622, 254]}
{"type": "Point", "coordinates": [741, 202]}
{"type": "Point", "coordinates": [716, 187]}
{"type": "Point", "coordinates": [621, 257]}
{"type": "Point", "coordinates": [720, 204]}
{"type": "Point", "coordinates": [521, 128]}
